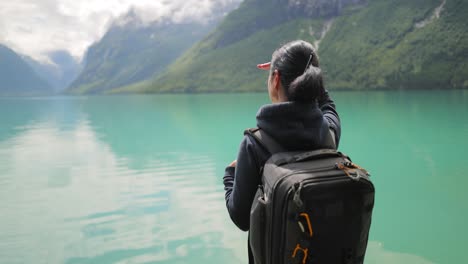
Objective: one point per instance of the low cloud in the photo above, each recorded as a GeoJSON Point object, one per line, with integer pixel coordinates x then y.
{"type": "Point", "coordinates": [37, 27]}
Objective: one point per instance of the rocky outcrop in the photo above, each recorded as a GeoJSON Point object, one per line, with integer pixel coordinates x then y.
{"type": "Point", "coordinates": [320, 8]}
{"type": "Point", "coordinates": [276, 12]}
{"type": "Point", "coordinates": [435, 15]}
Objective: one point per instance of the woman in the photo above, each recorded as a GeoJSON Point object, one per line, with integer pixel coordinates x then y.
{"type": "Point", "coordinates": [300, 117]}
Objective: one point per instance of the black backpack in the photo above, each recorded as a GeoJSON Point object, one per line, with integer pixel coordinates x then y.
{"type": "Point", "coordinates": [313, 207]}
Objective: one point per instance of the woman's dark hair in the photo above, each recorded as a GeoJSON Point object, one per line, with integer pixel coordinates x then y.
{"type": "Point", "coordinates": [299, 70]}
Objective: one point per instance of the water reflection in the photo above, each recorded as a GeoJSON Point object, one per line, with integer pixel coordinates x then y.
{"type": "Point", "coordinates": [377, 254]}
{"type": "Point", "coordinates": [413, 143]}
{"type": "Point", "coordinates": [138, 179]}
{"type": "Point", "coordinates": [67, 198]}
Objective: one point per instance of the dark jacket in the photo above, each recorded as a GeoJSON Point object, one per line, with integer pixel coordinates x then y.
{"type": "Point", "coordinates": [295, 126]}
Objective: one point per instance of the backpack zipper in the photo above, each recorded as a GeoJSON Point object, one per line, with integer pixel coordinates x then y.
{"type": "Point", "coordinates": [320, 179]}
{"type": "Point", "coordinates": [270, 241]}
{"type": "Point", "coordinates": [342, 176]}
{"type": "Point", "coordinates": [273, 199]}
{"type": "Point", "coordinates": [335, 178]}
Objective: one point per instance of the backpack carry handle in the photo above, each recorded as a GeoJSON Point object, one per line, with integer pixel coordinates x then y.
{"type": "Point", "coordinates": [288, 157]}
{"type": "Point", "coordinates": [316, 154]}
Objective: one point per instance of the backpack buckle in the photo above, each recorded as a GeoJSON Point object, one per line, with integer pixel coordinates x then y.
{"type": "Point", "coordinates": [355, 177]}
{"type": "Point", "coordinates": [352, 170]}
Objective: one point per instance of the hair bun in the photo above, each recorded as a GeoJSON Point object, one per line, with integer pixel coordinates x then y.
{"type": "Point", "coordinates": [308, 86]}
{"type": "Point", "coordinates": [300, 76]}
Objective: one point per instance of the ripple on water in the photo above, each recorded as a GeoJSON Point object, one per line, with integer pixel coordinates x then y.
{"type": "Point", "coordinates": [184, 217]}
{"type": "Point", "coordinates": [91, 207]}
{"type": "Point", "coordinates": [73, 195]}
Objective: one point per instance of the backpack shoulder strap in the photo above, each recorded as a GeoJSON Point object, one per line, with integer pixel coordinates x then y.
{"type": "Point", "coordinates": [265, 140]}
{"type": "Point", "coordinates": [331, 143]}
{"type": "Point", "coordinates": [268, 143]}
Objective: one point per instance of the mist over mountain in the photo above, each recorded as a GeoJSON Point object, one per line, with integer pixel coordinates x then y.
{"type": "Point", "coordinates": [36, 28]}
{"type": "Point", "coordinates": [61, 70]}
{"type": "Point", "coordinates": [134, 50]}
{"type": "Point", "coordinates": [17, 78]}
{"type": "Point", "coordinates": [362, 44]}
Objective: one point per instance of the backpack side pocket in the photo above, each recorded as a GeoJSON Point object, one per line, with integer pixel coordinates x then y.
{"type": "Point", "coordinates": [257, 227]}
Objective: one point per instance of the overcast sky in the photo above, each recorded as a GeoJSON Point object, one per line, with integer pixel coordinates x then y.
{"type": "Point", "coordinates": [35, 27]}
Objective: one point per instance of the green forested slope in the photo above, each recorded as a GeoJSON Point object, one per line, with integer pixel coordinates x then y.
{"type": "Point", "coordinates": [232, 68]}
{"type": "Point", "coordinates": [376, 45]}
{"type": "Point", "coordinates": [384, 46]}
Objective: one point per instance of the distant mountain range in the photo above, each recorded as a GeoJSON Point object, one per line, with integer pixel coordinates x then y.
{"type": "Point", "coordinates": [21, 75]}
{"type": "Point", "coordinates": [133, 52]}
{"type": "Point", "coordinates": [362, 44]}
{"type": "Point", "coordinates": [17, 77]}
{"type": "Point", "coordinates": [62, 70]}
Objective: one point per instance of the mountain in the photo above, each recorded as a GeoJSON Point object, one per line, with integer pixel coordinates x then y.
{"type": "Point", "coordinates": [132, 51]}
{"type": "Point", "coordinates": [17, 78]}
{"type": "Point", "coordinates": [374, 44]}
{"type": "Point", "coordinates": [62, 70]}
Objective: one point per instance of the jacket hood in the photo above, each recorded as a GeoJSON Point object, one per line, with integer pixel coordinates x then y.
{"type": "Point", "coordinates": [293, 125]}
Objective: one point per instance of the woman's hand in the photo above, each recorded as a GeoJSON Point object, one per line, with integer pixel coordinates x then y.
{"type": "Point", "coordinates": [233, 164]}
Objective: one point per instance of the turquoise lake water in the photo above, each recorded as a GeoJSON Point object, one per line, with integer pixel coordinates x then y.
{"type": "Point", "coordinates": [138, 179]}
